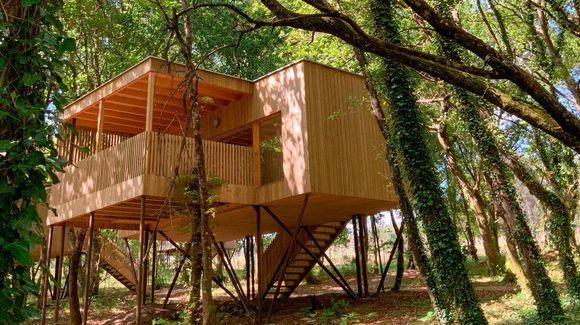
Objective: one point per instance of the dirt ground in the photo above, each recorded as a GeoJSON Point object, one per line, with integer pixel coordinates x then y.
{"type": "Point", "coordinates": [322, 303]}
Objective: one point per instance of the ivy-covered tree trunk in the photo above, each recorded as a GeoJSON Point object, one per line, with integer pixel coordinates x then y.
{"type": "Point", "coordinates": [408, 133]}
{"type": "Point", "coordinates": [439, 300]}
{"type": "Point", "coordinates": [476, 201]}
{"type": "Point", "coordinates": [503, 190]}
{"type": "Point", "coordinates": [469, 232]}
{"type": "Point", "coordinates": [558, 223]}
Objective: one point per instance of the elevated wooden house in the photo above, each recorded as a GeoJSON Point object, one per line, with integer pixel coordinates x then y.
{"type": "Point", "coordinates": [300, 141]}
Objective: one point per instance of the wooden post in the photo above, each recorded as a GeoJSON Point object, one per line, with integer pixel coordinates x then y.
{"type": "Point", "coordinates": [377, 243]}
{"type": "Point", "coordinates": [256, 154]}
{"type": "Point", "coordinates": [45, 277]}
{"type": "Point", "coordinates": [150, 102]}
{"type": "Point", "coordinates": [357, 256]}
{"type": "Point", "coordinates": [141, 253]}
{"type": "Point", "coordinates": [153, 266]}
{"type": "Point", "coordinates": [71, 148]}
{"type": "Point", "coordinates": [259, 257]}
{"type": "Point", "coordinates": [247, 258]}
{"type": "Point", "coordinates": [388, 264]}
{"type": "Point", "coordinates": [145, 264]}
{"type": "Point", "coordinates": [99, 136]}
{"type": "Point", "coordinates": [253, 270]}
{"type": "Point", "coordinates": [363, 248]}
{"type": "Point", "coordinates": [176, 276]}
{"type": "Point", "coordinates": [88, 266]}
{"type": "Point", "coordinates": [221, 250]}
{"type": "Point", "coordinates": [59, 274]}
{"type": "Point", "coordinates": [132, 260]}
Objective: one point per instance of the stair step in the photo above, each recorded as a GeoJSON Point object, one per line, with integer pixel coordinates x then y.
{"type": "Point", "coordinates": [325, 230]}
{"type": "Point", "coordinates": [282, 290]}
{"type": "Point", "coordinates": [319, 236]}
{"type": "Point", "coordinates": [299, 263]}
{"type": "Point", "coordinates": [296, 269]}
{"type": "Point", "coordinates": [335, 224]}
{"type": "Point", "coordinates": [291, 276]}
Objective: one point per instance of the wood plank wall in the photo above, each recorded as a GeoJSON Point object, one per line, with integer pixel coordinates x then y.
{"type": "Point", "coordinates": [345, 145]}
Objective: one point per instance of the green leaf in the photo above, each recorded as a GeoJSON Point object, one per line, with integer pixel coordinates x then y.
{"type": "Point", "coordinates": [29, 79]}
{"type": "Point", "coordinates": [68, 45]}
{"type": "Point", "coordinates": [28, 3]}
{"type": "Point", "coordinates": [5, 145]}
{"type": "Point", "coordinates": [2, 63]}
{"type": "Point", "coordinates": [21, 254]}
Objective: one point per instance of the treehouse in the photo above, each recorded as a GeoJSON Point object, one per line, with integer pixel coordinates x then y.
{"type": "Point", "coordinates": [295, 149]}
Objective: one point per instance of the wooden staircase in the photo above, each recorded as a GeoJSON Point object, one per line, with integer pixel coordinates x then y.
{"type": "Point", "coordinates": [300, 262]}
{"type": "Point", "coordinates": [116, 262]}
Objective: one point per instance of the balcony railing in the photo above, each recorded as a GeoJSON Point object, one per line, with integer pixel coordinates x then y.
{"type": "Point", "coordinates": [150, 153]}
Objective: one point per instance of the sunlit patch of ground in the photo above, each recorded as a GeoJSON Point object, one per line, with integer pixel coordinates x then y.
{"type": "Point", "coordinates": [325, 303]}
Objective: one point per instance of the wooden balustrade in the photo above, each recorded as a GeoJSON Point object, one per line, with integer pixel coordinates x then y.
{"type": "Point", "coordinates": [151, 154]}
{"type": "Point", "coordinates": [231, 163]}
{"type": "Point", "coordinates": [108, 167]}
{"type": "Point", "coordinates": [83, 142]}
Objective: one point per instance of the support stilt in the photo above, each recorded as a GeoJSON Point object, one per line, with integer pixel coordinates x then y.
{"type": "Point", "coordinates": [388, 264]}
{"type": "Point", "coordinates": [221, 250]}
{"type": "Point", "coordinates": [253, 270]}
{"type": "Point", "coordinates": [88, 266]}
{"type": "Point", "coordinates": [59, 274]}
{"type": "Point", "coordinates": [375, 233]}
{"type": "Point", "coordinates": [363, 248]}
{"type": "Point", "coordinates": [247, 260]}
{"type": "Point", "coordinates": [131, 259]}
{"type": "Point", "coordinates": [184, 257]}
{"type": "Point", "coordinates": [145, 264]}
{"type": "Point", "coordinates": [259, 257]}
{"type": "Point", "coordinates": [141, 253]}
{"type": "Point", "coordinates": [355, 233]}
{"type": "Point", "coordinates": [153, 266]}
{"type": "Point", "coordinates": [45, 276]}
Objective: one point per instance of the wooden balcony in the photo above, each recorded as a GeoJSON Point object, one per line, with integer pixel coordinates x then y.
{"type": "Point", "coordinates": [148, 164]}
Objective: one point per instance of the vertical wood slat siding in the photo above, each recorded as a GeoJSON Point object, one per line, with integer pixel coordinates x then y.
{"type": "Point", "coordinates": [126, 160]}
{"type": "Point", "coordinates": [108, 167]}
{"type": "Point", "coordinates": [84, 142]}
{"type": "Point", "coordinates": [230, 163]}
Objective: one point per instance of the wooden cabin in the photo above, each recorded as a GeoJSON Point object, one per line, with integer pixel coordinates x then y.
{"type": "Point", "coordinates": [300, 141]}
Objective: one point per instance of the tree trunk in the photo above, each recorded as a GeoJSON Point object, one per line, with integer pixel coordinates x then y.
{"type": "Point", "coordinates": [195, 306]}
{"type": "Point", "coordinates": [96, 260]}
{"type": "Point", "coordinates": [469, 233]}
{"type": "Point", "coordinates": [503, 190]}
{"type": "Point", "coordinates": [439, 299]}
{"type": "Point", "coordinates": [476, 203]}
{"type": "Point", "coordinates": [77, 238]}
{"type": "Point", "coordinates": [408, 132]}
{"type": "Point", "coordinates": [558, 225]}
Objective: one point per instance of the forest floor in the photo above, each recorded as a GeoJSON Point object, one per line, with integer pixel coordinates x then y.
{"type": "Point", "coordinates": [324, 303]}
